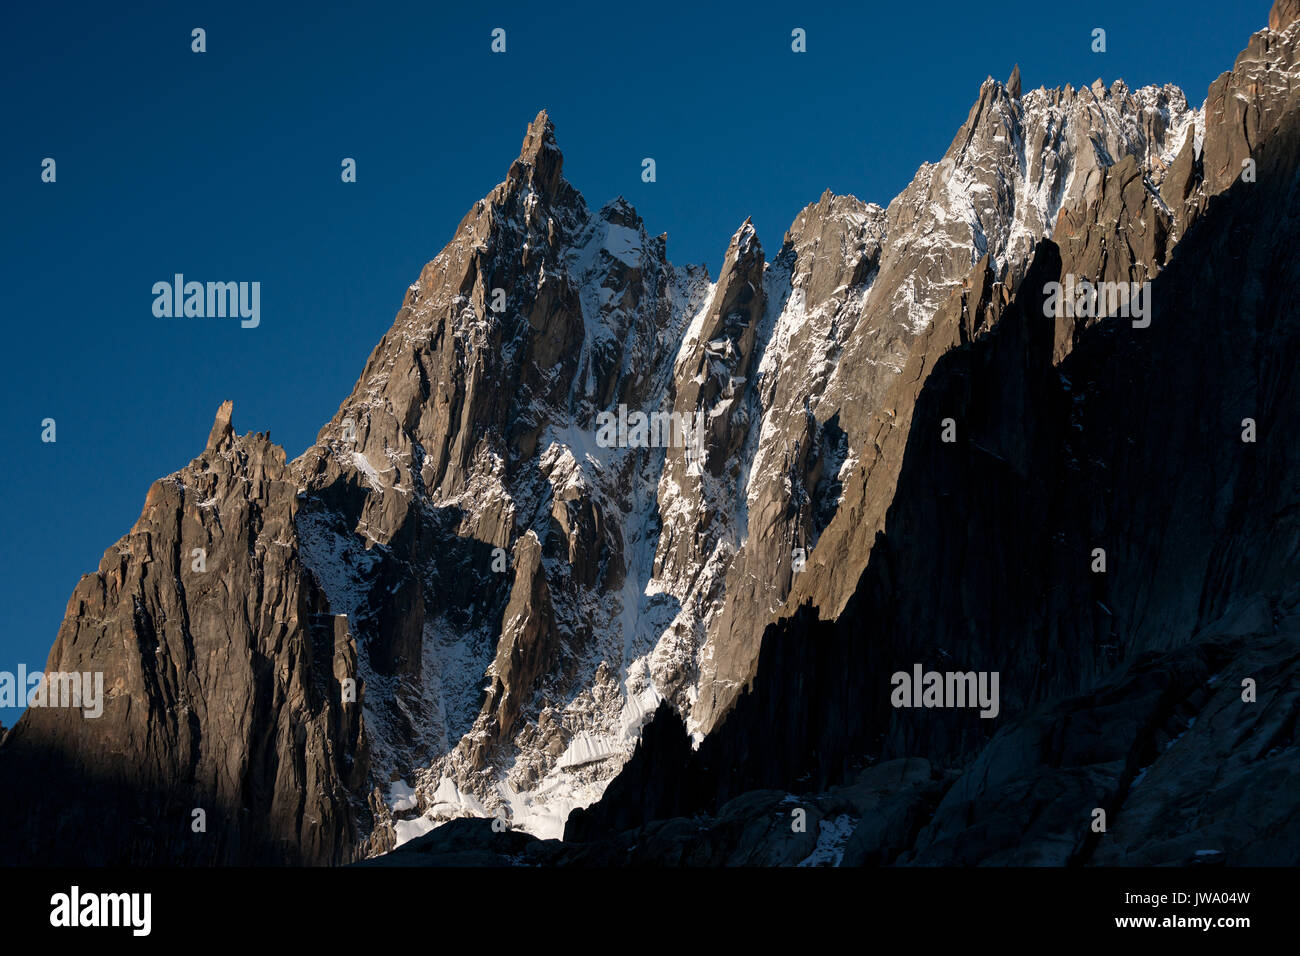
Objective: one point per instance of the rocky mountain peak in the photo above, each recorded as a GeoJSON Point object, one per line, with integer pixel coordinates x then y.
{"type": "Point", "coordinates": [574, 482]}
{"type": "Point", "coordinates": [744, 244]}
{"type": "Point", "coordinates": [222, 431]}
{"type": "Point", "coordinates": [540, 160]}
{"type": "Point", "coordinates": [620, 212]}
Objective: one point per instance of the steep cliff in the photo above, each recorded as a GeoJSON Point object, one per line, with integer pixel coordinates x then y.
{"type": "Point", "coordinates": [587, 512]}
{"type": "Point", "coordinates": [1074, 439]}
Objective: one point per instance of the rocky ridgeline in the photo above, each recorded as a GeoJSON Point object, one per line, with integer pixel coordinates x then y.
{"type": "Point", "coordinates": [460, 603]}
{"type": "Point", "coordinates": [1160, 691]}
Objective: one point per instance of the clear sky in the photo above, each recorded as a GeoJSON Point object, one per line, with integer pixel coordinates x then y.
{"type": "Point", "coordinates": [225, 166]}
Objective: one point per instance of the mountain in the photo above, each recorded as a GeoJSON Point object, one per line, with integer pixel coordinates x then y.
{"type": "Point", "coordinates": [504, 583]}
{"type": "Point", "coordinates": [1124, 689]}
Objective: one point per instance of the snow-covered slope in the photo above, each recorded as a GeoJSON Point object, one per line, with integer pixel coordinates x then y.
{"type": "Point", "coordinates": [523, 596]}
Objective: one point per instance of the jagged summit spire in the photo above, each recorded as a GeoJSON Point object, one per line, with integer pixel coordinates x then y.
{"type": "Point", "coordinates": [222, 429]}
{"type": "Point", "coordinates": [540, 160]}
{"type": "Point", "coordinates": [540, 136]}
{"type": "Point", "coordinates": [1013, 82]}
{"type": "Point", "coordinates": [745, 242]}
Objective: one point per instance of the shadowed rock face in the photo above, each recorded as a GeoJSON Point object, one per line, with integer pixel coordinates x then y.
{"type": "Point", "coordinates": [461, 601]}
{"type": "Point", "coordinates": [1120, 691]}
{"type": "Point", "coordinates": [1185, 772]}
{"type": "Point", "coordinates": [222, 672]}
{"type": "Point", "coordinates": [955, 243]}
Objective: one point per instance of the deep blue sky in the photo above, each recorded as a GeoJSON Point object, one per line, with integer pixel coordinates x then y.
{"type": "Point", "coordinates": [225, 166]}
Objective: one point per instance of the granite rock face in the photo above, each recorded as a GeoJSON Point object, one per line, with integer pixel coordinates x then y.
{"type": "Point", "coordinates": [587, 517]}
{"type": "Point", "coordinates": [222, 669]}
{"type": "Point", "coordinates": [1283, 14]}
{"type": "Point", "coordinates": [1072, 438]}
